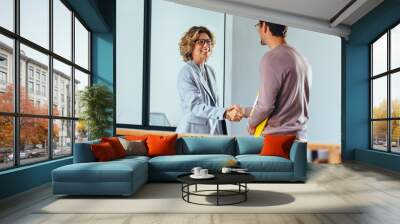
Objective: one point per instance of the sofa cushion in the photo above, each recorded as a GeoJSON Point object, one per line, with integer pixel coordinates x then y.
{"type": "Point", "coordinates": [257, 163]}
{"type": "Point", "coordinates": [103, 152]}
{"type": "Point", "coordinates": [277, 145]}
{"type": "Point", "coordinates": [116, 145]}
{"type": "Point", "coordinates": [112, 171]}
{"type": "Point", "coordinates": [134, 147]}
{"type": "Point", "coordinates": [206, 145]}
{"type": "Point", "coordinates": [159, 145]}
{"type": "Point", "coordinates": [185, 163]}
{"type": "Point", "coordinates": [249, 145]}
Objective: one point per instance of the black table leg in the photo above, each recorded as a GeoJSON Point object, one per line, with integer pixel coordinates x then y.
{"type": "Point", "coordinates": [217, 194]}
{"type": "Point", "coordinates": [182, 189]}
{"type": "Point", "coordinates": [245, 193]}
{"type": "Point", "coordinates": [188, 190]}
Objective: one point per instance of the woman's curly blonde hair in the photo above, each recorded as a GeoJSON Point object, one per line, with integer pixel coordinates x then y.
{"type": "Point", "coordinates": [186, 45]}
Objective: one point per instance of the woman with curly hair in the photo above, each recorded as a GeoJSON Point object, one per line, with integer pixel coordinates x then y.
{"type": "Point", "coordinates": [197, 86]}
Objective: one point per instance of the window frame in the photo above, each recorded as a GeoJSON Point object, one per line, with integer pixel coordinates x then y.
{"type": "Point", "coordinates": [15, 72]}
{"type": "Point", "coordinates": [145, 123]}
{"type": "Point", "coordinates": [388, 74]}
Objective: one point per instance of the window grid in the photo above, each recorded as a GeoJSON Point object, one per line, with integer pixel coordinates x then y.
{"type": "Point", "coordinates": [145, 122]}
{"type": "Point", "coordinates": [388, 74]}
{"type": "Point", "coordinates": [35, 76]}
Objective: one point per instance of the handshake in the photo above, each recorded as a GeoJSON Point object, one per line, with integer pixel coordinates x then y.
{"type": "Point", "coordinates": [234, 113]}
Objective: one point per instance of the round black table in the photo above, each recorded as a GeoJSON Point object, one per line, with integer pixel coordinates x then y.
{"type": "Point", "coordinates": [238, 179]}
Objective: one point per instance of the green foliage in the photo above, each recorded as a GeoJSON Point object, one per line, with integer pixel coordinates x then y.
{"type": "Point", "coordinates": [96, 102]}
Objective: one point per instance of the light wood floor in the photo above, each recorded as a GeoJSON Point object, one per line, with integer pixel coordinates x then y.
{"type": "Point", "coordinates": [377, 188]}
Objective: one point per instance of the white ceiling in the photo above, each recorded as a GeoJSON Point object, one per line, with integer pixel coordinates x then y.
{"type": "Point", "coordinates": [321, 9]}
{"type": "Point", "coordinates": [316, 15]}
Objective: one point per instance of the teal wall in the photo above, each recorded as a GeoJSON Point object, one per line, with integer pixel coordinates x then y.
{"type": "Point", "coordinates": [102, 58]}
{"type": "Point", "coordinates": [103, 50]}
{"type": "Point", "coordinates": [102, 62]}
{"type": "Point", "coordinates": [99, 16]}
{"type": "Point", "coordinates": [356, 86]}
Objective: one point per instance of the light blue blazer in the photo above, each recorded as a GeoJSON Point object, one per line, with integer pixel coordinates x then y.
{"type": "Point", "coordinates": [200, 104]}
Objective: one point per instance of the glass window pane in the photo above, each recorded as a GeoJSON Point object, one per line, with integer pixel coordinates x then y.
{"type": "Point", "coordinates": [6, 74]}
{"type": "Point", "coordinates": [129, 61]}
{"type": "Point", "coordinates": [379, 55]}
{"type": "Point", "coordinates": [81, 131]}
{"type": "Point", "coordinates": [395, 94]}
{"type": "Point", "coordinates": [166, 61]}
{"type": "Point", "coordinates": [81, 45]}
{"type": "Point", "coordinates": [62, 29]}
{"type": "Point", "coordinates": [379, 98]}
{"type": "Point", "coordinates": [35, 21]}
{"type": "Point", "coordinates": [33, 140]}
{"type": "Point", "coordinates": [395, 138]}
{"type": "Point", "coordinates": [7, 14]}
{"type": "Point", "coordinates": [62, 89]}
{"type": "Point", "coordinates": [62, 138]}
{"type": "Point", "coordinates": [34, 97]}
{"type": "Point", "coordinates": [81, 81]}
{"type": "Point", "coordinates": [395, 47]}
{"type": "Point", "coordinates": [6, 142]}
{"type": "Point", "coordinates": [379, 135]}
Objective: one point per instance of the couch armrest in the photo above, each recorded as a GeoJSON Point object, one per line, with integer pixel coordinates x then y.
{"type": "Point", "coordinates": [298, 155]}
{"type": "Point", "coordinates": [83, 152]}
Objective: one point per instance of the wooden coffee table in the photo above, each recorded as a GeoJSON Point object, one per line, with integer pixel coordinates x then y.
{"type": "Point", "coordinates": [238, 179]}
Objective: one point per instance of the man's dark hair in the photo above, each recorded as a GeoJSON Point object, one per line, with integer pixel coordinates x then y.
{"type": "Point", "coordinates": [277, 30]}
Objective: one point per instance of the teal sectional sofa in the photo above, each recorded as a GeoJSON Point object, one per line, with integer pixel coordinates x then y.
{"type": "Point", "coordinates": [125, 176]}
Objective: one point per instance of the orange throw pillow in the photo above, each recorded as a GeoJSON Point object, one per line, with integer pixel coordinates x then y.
{"type": "Point", "coordinates": [277, 145]}
{"type": "Point", "coordinates": [103, 152]}
{"type": "Point", "coordinates": [161, 145]}
{"type": "Point", "coordinates": [136, 137]}
{"type": "Point", "coordinates": [116, 145]}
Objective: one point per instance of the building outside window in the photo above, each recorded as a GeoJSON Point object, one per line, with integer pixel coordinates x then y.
{"type": "Point", "coordinates": [3, 72]}
{"type": "Point", "coordinates": [3, 78]}
{"type": "Point", "coordinates": [38, 89]}
{"type": "Point", "coordinates": [34, 79]}
{"type": "Point", "coordinates": [30, 72]}
{"type": "Point", "coordinates": [30, 87]}
{"type": "Point", "coordinates": [43, 90]}
{"type": "Point", "coordinates": [37, 74]}
{"type": "Point", "coordinates": [3, 61]}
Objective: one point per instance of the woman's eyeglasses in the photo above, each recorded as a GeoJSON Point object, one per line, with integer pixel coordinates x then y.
{"type": "Point", "coordinates": [203, 41]}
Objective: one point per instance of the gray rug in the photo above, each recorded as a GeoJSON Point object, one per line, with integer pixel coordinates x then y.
{"type": "Point", "coordinates": [166, 198]}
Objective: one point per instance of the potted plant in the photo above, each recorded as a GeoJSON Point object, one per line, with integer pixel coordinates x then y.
{"type": "Point", "coordinates": [96, 103]}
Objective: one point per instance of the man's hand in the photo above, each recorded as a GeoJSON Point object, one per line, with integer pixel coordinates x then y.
{"type": "Point", "coordinates": [251, 130]}
{"type": "Point", "coordinates": [234, 113]}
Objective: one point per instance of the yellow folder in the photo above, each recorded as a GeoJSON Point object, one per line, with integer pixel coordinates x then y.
{"type": "Point", "coordinates": [260, 127]}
